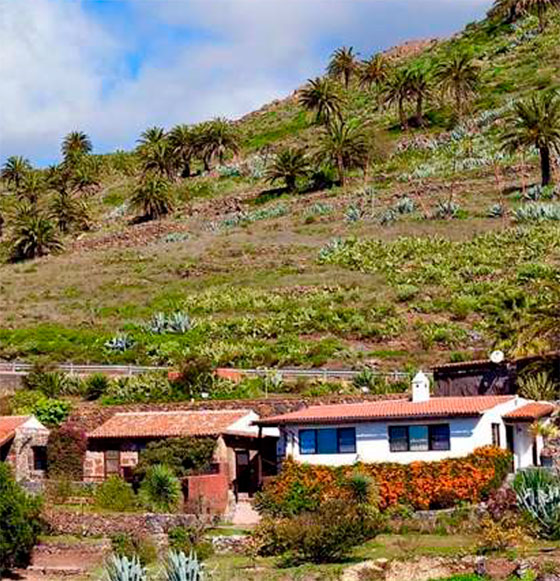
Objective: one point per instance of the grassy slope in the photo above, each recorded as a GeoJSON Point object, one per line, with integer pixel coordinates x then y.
{"type": "Point", "coordinates": [256, 288]}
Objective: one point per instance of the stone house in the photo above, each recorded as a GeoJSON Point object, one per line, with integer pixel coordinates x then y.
{"type": "Point", "coordinates": [23, 445]}
{"type": "Point", "coordinates": [243, 456]}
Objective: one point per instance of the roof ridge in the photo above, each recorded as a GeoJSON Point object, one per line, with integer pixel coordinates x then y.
{"type": "Point", "coordinates": [170, 412]}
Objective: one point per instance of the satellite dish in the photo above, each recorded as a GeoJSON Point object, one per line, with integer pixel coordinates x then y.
{"type": "Point", "coordinates": [497, 356]}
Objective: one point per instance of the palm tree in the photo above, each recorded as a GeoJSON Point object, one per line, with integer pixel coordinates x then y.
{"type": "Point", "coordinates": [511, 10]}
{"type": "Point", "coordinates": [420, 86]}
{"type": "Point", "coordinates": [217, 138]}
{"type": "Point", "coordinates": [151, 136]}
{"type": "Point", "coordinates": [288, 165]}
{"type": "Point", "coordinates": [69, 213]}
{"type": "Point", "coordinates": [33, 235]}
{"type": "Point", "coordinates": [183, 143]}
{"type": "Point", "coordinates": [158, 158]}
{"type": "Point", "coordinates": [14, 170]}
{"type": "Point", "coordinates": [343, 63]}
{"type": "Point", "coordinates": [535, 122]}
{"type": "Point", "coordinates": [397, 91]}
{"type": "Point", "coordinates": [343, 145]}
{"type": "Point", "coordinates": [75, 145]}
{"type": "Point", "coordinates": [459, 76]}
{"type": "Point", "coordinates": [32, 188]}
{"type": "Point", "coordinates": [321, 95]}
{"type": "Point", "coordinates": [373, 72]}
{"type": "Point", "coordinates": [153, 198]}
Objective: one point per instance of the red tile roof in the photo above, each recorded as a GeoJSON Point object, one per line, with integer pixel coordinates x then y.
{"type": "Point", "coordinates": [395, 409]}
{"type": "Point", "coordinates": [9, 425]}
{"type": "Point", "coordinates": [530, 412]}
{"type": "Point", "coordinates": [168, 424]}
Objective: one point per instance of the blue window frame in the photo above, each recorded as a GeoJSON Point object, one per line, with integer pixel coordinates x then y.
{"type": "Point", "coordinates": [327, 441]}
{"type": "Point", "coordinates": [417, 438]}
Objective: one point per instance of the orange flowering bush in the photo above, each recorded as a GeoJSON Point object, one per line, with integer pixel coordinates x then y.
{"type": "Point", "coordinates": [420, 485]}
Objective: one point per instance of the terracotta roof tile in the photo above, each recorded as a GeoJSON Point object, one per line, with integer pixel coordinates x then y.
{"type": "Point", "coordinates": [530, 412]}
{"type": "Point", "coordinates": [379, 410]}
{"type": "Point", "coordinates": [9, 425]}
{"type": "Point", "coordinates": [167, 424]}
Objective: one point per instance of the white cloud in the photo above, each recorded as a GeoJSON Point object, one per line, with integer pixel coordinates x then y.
{"type": "Point", "coordinates": [202, 58]}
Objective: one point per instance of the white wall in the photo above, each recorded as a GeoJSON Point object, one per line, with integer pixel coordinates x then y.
{"type": "Point", "coordinates": [372, 440]}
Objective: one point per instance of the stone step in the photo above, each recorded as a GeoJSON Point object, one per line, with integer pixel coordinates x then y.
{"type": "Point", "coordinates": [61, 571]}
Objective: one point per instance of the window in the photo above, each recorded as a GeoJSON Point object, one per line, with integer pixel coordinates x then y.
{"type": "Point", "coordinates": [419, 438]}
{"type": "Point", "coordinates": [327, 441]}
{"type": "Point", "coordinates": [112, 462]}
{"type": "Point", "coordinates": [39, 458]}
{"type": "Point", "coordinates": [496, 435]}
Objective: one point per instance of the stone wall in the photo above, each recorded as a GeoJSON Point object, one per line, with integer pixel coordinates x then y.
{"type": "Point", "coordinates": [64, 522]}
{"type": "Point", "coordinates": [21, 455]}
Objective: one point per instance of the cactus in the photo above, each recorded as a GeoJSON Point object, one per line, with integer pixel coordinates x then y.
{"type": "Point", "coordinates": [448, 209]}
{"type": "Point", "coordinates": [121, 568]}
{"type": "Point", "coordinates": [405, 206]}
{"type": "Point", "coordinates": [182, 568]}
{"type": "Point", "coordinates": [119, 343]}
{"type": "Point", "coordinates": [177, 322]}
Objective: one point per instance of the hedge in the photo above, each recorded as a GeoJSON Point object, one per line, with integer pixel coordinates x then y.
{"type": "Point", "coordinates": [419, 485]}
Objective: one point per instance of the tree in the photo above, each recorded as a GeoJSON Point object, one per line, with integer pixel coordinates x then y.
{"type": "Point", "coordinates": [160, 491]}
{"type": "Point", "coordinates": [373, 72]}
{"type": "Point", "coordinates": [153, 198]}
{"type": "Point", "coordinates": [68, 212]}
{"type": "Point", "coordinates": [420, 88]}
{"type": "Point", "coordinates": [397, 91]}
{"type": "Point", "coordinates": [32, 188]}
{"type": "Point", "coordinates": [289, 165]}
{"type": "Point", "coordinates": [151, 136]}
{"type": "Point", "coordinates": [511, 10]}
{"type": "Point", "coordinates": [158, 158]}
{"type": "Point", "coordinates": [344, 145]}
{"type": "Point", "coordinates": [33, 235]}
{"type": "Point", "coordinates": [322, 96]}
{"type": "Point", "coordinates": [535, 122]}
{"type": "Point", "coordinates": [14, 170]}
{"type": "Point", "coordinates": [459, 76]}
{"type": "Point", "coordinates": [75, 145]}
{"type": "Point", "coordinates": [20, 522]}
{"type": "Point", "coordinates": [183, 140]}
{"type": "Point", "coordinates": [343, 63]}
{"type": "Point", "coordinates": [217, 138]}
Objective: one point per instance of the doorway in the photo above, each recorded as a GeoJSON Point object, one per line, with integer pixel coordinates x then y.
{"type": "Point", "coordinates": [243, 471]}
{"type": "Point", "coordinates": [510, 443]}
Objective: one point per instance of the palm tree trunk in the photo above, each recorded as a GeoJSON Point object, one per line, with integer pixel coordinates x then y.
{"type": "Point", "coordinates": [420, 110]}
{"type": "Point", "coordinates": [346, 79]}
{"type": "Point", "coordinates": [402, 116]}
{"type": "Point", "coordinates": [545, 165]}
{"type": "Point", "coordinates": [290, 183]}
{"type": "Point", "coordinates": [459, 103]}
{"type": "Point", "coordinates": [542, 18]}
{"type": "Point", "coordinates": [340, 167]}
{"type": "Point", "coordinates": [186, 173]}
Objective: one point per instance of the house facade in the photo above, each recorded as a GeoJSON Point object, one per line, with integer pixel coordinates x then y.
{"type": "Point", "coordinates": [422, 428]}
{"type": "Point", "coordinates": [243, 454]}
{"type": "Point", "coordinates": [23, 445]}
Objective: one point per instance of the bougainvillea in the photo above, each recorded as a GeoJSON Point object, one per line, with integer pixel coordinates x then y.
{"type": "Point", "coordinates": [420, 485]}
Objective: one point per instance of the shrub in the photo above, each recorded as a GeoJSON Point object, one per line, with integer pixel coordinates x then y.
{"type": "Point", "coordinates": [195, 375]}
{"type": "Point", "coordinates": [160, 490]}
{"type": "Point", "coordinates": [66, 451]}
{"type": "Point", "coordinates": [183, 455]}
{"type": "Point", "coordinates": [50, 383]}
{"type": "Point", "coordinates": [52, 412]}
{"type": "Point", "coordinates": [116, 495]}
{"type": "Point", "coordinates": [421, 485]}
{"type": "Point", "coordinates": [95, 386]}
{"type": "Point", "coordinates": [179, 567]}
{"type": "Point", "coordinates": [134, 546]}
{"type": "Point", "coordinates": [148, 387]}
{"type": "Point", "coordinates": [20, 522]}
{"type": "Point", "coordinates": [324, 536]}
{"type": "Point", "coordinates": [123, 568]}
{"type": "Point", "coordinates": [500, 535]}
{"type": "Point", "coordinates": [191, 539]}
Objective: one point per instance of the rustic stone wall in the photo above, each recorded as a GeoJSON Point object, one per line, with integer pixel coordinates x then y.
{"type": "Point", "coordinates": [91, 524]}
{"type": "Point", "coordinates": [21, 455]}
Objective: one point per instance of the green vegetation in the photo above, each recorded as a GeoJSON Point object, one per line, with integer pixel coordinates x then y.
{"type": "Point", "coordinates": [412, 222]}
{"type": "Point", "coordinates": [20, 522]}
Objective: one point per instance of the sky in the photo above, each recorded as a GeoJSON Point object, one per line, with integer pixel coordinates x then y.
{"type": "Point", "coordinates": [112, 68]}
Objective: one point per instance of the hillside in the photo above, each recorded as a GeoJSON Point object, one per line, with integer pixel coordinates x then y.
{"type": "Point", "coordinates": [444, 250]}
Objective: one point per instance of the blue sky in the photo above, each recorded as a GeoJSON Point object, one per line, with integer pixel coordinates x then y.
{"type": "Point", "coordinates": [115, 67]}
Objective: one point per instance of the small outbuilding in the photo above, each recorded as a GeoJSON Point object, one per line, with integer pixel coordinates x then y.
{"type": "Point", "coordinates": [23, 445]}
{"type": "Point", "coordinates": [243, 455]}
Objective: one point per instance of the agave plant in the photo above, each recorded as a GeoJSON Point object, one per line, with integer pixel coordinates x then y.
{"type": "Point", "coordinates": [405, 206]}
{"type": "Point", "coordinates": [119, 343]}
{"type": "Point", "coordinates": [121, 568]}
{"type": "Point", "coordinates": [496, 211]}
{"type": "Point", "coordinates": [447, 209]}
{"type": "Point", "coordinates": [538, 386]}
{"type": "Point", "coordinates": [179, 567]}
{"type": "Point", "coordinates": [538, 493]}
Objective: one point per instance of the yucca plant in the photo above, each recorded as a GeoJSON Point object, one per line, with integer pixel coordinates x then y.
{"type": "Point", "coordinates": [160, 490]}
{"type": "Point", "coordinates": [179, 567]}
{"type": "Point", "coordinates": [538, 386]}
{"type": "Point", "coordinates": [121, 568]}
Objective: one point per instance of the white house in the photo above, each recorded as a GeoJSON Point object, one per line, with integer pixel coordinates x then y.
{"type": "Point", "coordinates": [407, 430]}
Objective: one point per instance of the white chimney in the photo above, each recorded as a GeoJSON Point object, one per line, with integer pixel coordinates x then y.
{"type": "Point", "coordinates": [420, 387]}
